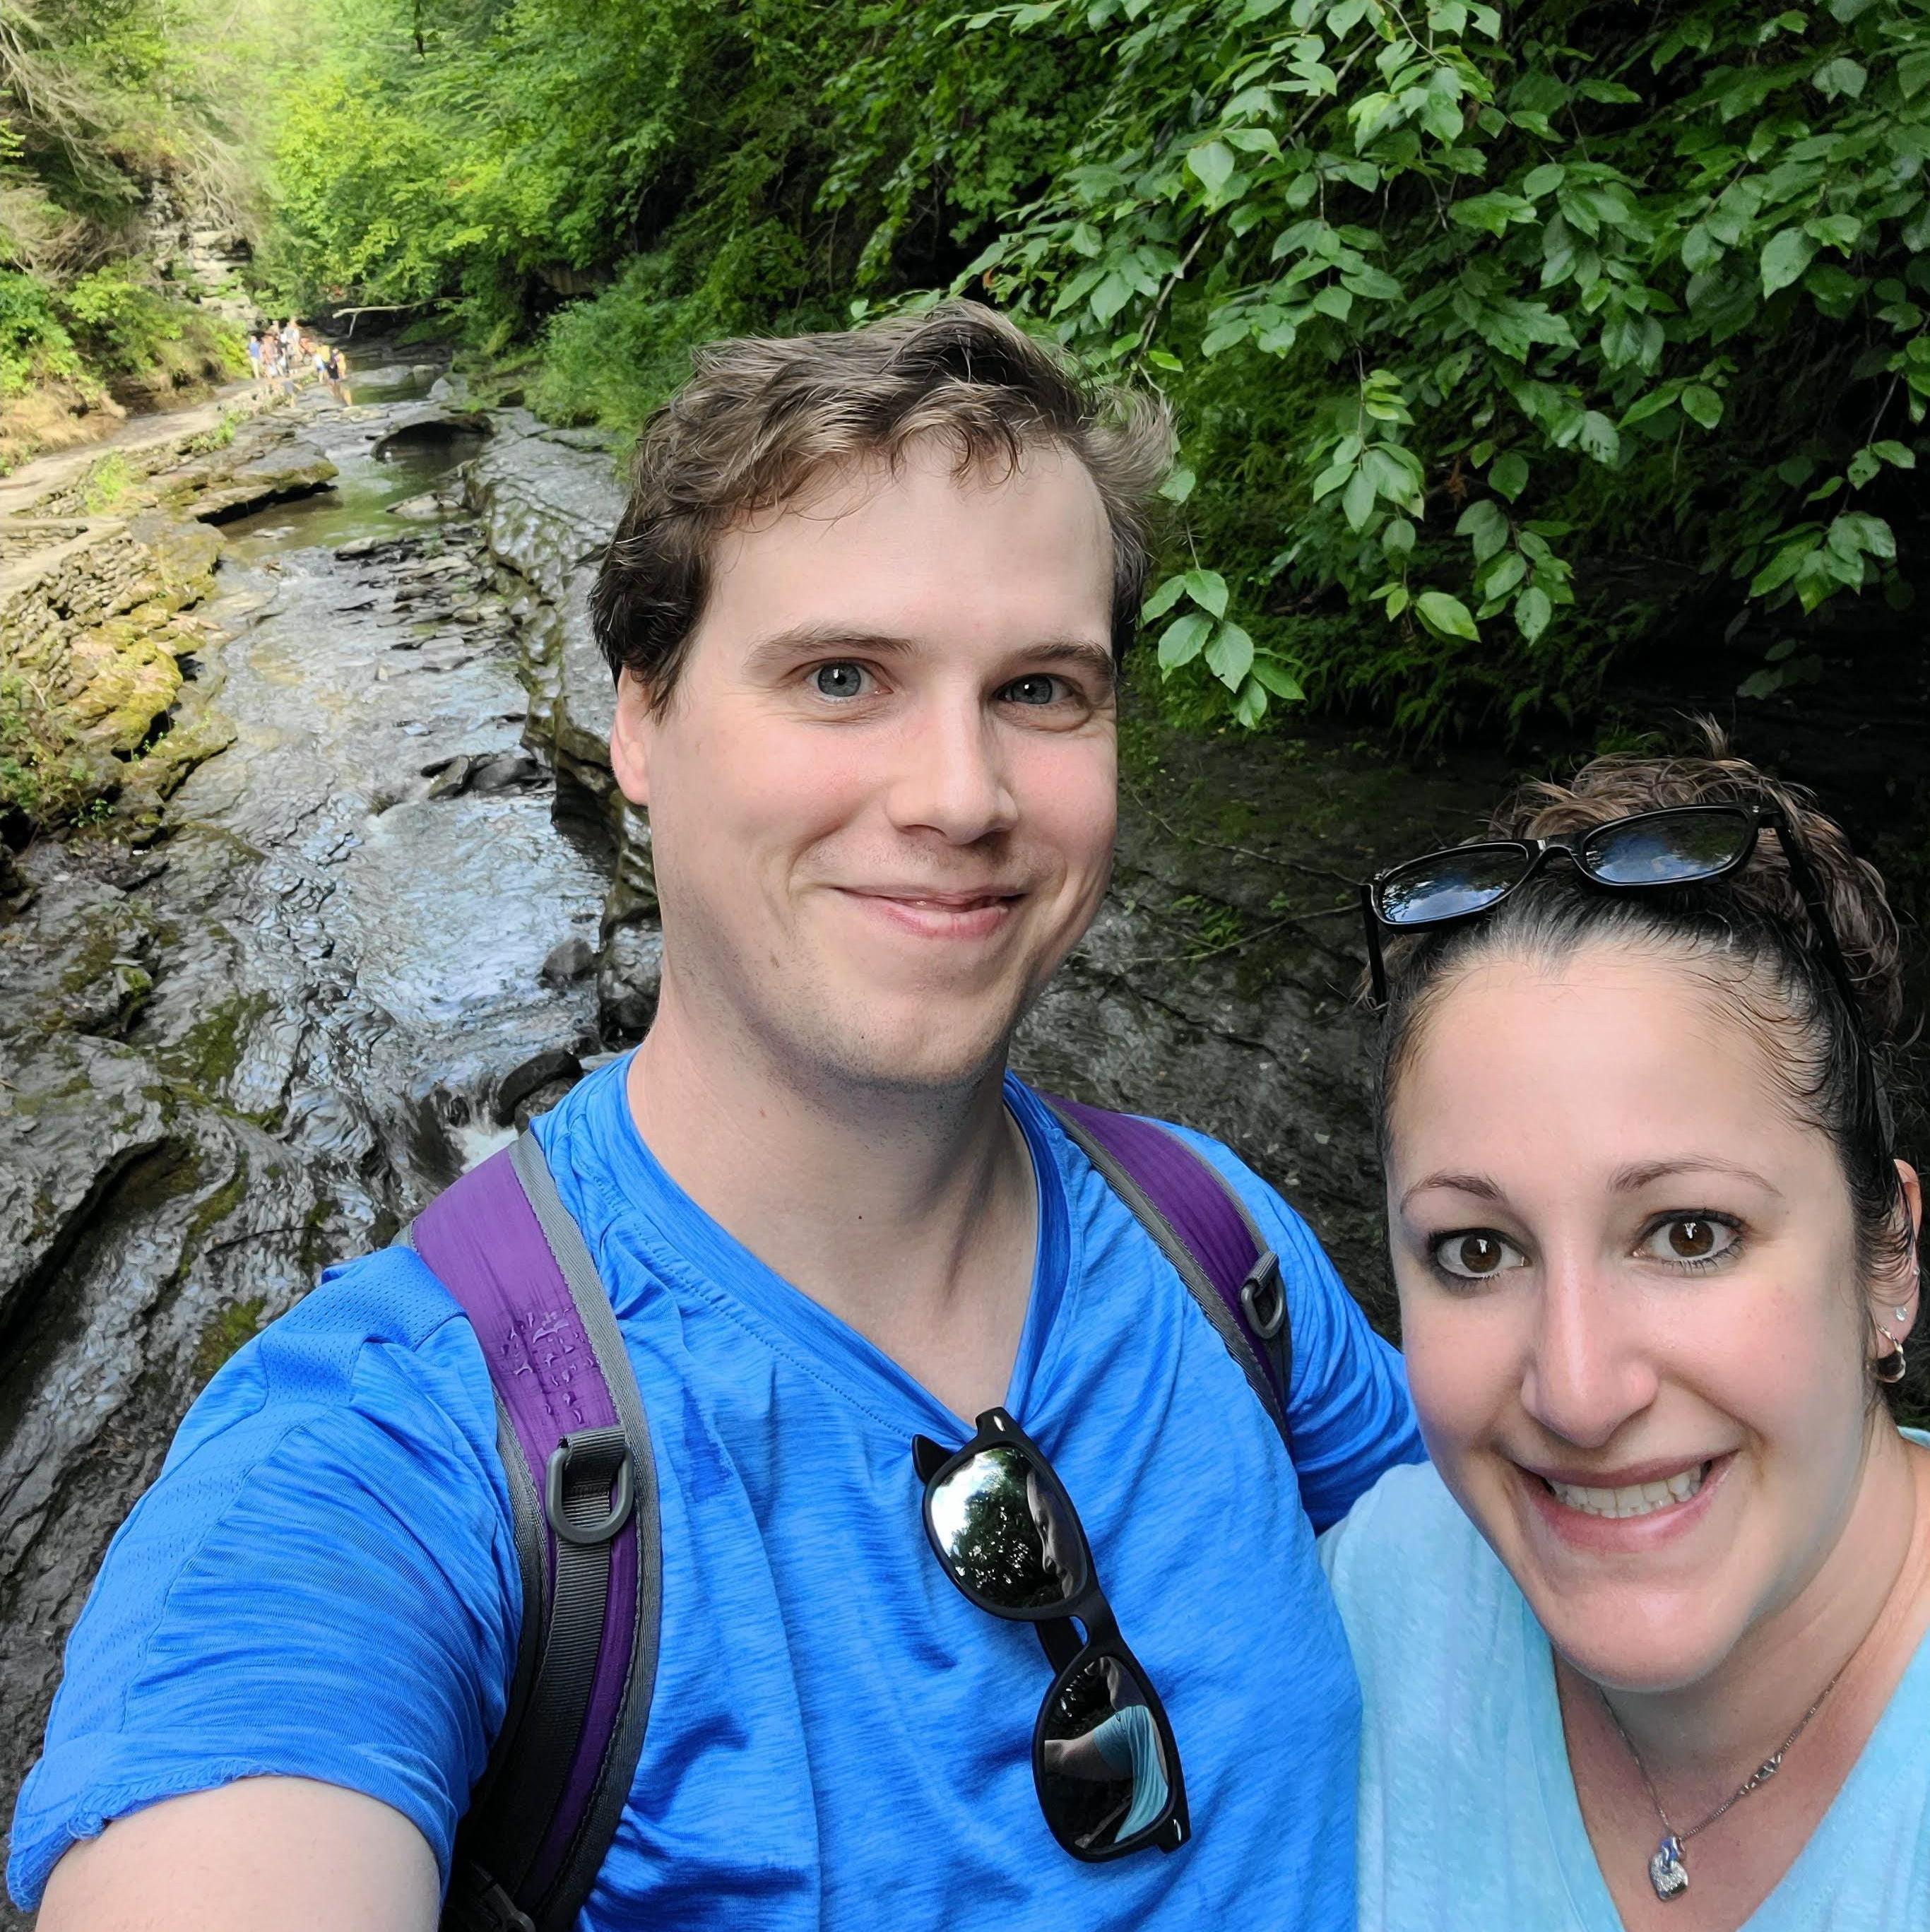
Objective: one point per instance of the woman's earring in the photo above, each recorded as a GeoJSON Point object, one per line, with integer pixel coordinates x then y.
{"type": "Point", "coordinates": [1890, 1369]}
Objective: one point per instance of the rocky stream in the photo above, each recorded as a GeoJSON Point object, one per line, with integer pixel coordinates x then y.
{"type": "Point", "coordinates": [369, 899]}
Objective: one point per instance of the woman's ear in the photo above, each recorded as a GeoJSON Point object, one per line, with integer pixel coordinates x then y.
{"type": "Point", "coordinates": [1896, 1296]}
{"type": "Point", "coordinates": [630, 734]}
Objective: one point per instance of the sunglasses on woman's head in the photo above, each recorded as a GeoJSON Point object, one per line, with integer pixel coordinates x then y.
{"type": "Point", "coordinates": [1648, 851]}
{"type": "Point", "coordinates": [1104, 1763]}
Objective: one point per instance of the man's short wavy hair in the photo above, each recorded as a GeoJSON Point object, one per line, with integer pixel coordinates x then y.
{"type": "Point", "coordinates": [762, 420]}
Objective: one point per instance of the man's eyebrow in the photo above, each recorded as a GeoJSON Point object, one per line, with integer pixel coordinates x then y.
{"type": "Point", "coordinates": [1479, 1185]}
{"type": "Point", "coordinates": [806, 640]}
{"type": "Point", "coordinates": [1632, 1179]}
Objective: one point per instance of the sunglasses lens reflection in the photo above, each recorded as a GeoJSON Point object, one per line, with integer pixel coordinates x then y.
{"type": "Point", "coordinates": [1667, 848]}
{"type": "Point", "coordinates": [1104, 1781]}
{"type": "Point", "coordinates": [1449, 885]}
{"type": "Point", "coordinates": [1005, 1534]}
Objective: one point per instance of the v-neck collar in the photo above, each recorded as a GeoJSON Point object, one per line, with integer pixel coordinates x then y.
{"type": "Point", "coordinates": [684, 1242]}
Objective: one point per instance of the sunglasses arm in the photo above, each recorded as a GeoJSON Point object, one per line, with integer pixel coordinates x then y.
{"type": "Point", "coordinates": [1376, 966]}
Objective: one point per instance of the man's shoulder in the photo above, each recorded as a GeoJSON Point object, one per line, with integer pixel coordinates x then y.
{"type": "Point", "coordinates": [1282, 1226]}
{"type": "Point", "coordinates": [378, 1329]}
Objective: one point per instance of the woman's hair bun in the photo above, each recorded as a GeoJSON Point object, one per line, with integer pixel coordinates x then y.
{"type": "Point", "coordinates": [1853, 892]}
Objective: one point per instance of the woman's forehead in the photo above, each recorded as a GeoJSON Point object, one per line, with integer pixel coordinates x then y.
{"type": "Point", "coordinates": [1606, 1046]}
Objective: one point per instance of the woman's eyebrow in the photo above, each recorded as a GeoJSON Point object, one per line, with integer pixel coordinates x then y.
{"type": "Point", "coordinates": [1632, 1179]}
{"type": "Point", "coordinates": [1479, 1185]}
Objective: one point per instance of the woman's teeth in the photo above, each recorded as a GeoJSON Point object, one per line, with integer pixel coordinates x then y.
{"type": "Point", "coordinates": [1637, 1499]}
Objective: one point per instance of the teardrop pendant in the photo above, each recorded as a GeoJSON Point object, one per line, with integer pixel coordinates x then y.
{"type": "Point", "coordinates": [1667, 1872]}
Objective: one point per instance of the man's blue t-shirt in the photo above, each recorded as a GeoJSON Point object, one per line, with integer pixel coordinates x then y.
{"type": "Point", "coordinates": [323, 1582]}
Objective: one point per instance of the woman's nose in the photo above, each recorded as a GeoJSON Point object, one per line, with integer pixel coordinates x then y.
{"type": "Point", "coordinates": [1587, 1372]}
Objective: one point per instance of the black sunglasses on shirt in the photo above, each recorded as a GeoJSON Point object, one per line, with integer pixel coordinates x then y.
{"type": "Point", "coordinates": [1104, 1763]}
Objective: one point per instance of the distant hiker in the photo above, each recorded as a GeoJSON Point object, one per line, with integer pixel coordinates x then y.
{"type": "Point", "coordinates": [254, 353]}
{"type": "Point", "coordinates": [337, 372]}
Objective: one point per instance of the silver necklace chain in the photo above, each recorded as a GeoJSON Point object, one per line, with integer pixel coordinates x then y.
{"type": "Point", "coordinates": [1667, 1871]}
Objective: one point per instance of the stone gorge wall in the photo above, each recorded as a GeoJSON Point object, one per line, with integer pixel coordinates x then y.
{"type": "Point", "coordinates": [548, 500]}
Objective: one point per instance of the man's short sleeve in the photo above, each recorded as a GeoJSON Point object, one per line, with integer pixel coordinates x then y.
{"type": "Point", "coordinates": [1348, 1412]}
{"type": "Point", "coordinates": [321, 1583]}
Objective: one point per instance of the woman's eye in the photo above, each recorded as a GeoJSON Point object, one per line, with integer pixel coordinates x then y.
{"type": "Point", "coordinates": [1039, 688]}
{"type": "Point", "coordinates": [839, 680]}
{"type": "Point", "coordinates": [1689, 1240]}
{"type": "Point", "coordinates": [1475, 1254]}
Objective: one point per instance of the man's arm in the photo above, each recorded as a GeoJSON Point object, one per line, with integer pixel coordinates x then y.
{"type": "Point", "coordinates": [320, 1595]}
{"type": "Point", "coordinates": [1348, 1411]}
{"type": "Point", "coordinates": [264, 1855]}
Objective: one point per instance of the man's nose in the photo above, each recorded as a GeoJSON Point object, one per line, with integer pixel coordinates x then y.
{"type": "Point", "coordinates": [952, 777]}
{"type": "Point", "coordinates": [1587, 1371]}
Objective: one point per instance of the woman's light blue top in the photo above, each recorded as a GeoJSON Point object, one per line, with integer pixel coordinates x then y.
{"type": "Point", "coordinates": [1468, 1815]}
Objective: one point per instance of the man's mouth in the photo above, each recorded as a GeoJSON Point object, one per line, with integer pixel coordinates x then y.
{"type": "Point", "coordinates": [941, 901]}
{"type": "Point", "coordinates": [1624, 1500]}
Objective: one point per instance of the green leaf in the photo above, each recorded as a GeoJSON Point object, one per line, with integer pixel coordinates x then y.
{"type": "Point", "coordinates": [1213, 162]}
{"type": "Point", "coordinates": [1508, 475]}
{"type": "Point", "coordinates": [1230, 655]}
{"type": "Point", "coordinates": [1358, 499]}
{"type": "Point", "coordinates": [1901, 454]}
{"type": "Point", "coordinates": [1249, 703]}
{"type": "Point", "coordinates": [1278, 678]}
{"type": "Point", "coordinates": [1503, 574]}
{"type": "Point", "coordinates": [1164, 359]}
{"type": "Point", "coordinates": [1840, 76]}
{"type": "Point", "coordinates": [1184, 639]}
{"type": "Point", "coordinates": [1599, 438]}
{"type": "Point", "coordinates": [1533, 609]}
{"type": "Point", "coordinates": [1701, 404]}
{"type": "Point", "coordinates": [1397, 539]}
{"type": "Point", "coordinates": [1179, 485]}
{"type": "Point", "coordinates": [1865, 464]}
{"type": "Point", "coordinates": [1112, 294]}
{"type": "Point", "coordinates": [1163, 599]}
{"type": "Point", "coordinates": [1785, 258]}
{"type": "Point", "coordinates": [1485, 524]}
{"type": "Point", "coordinates": [1207, 589]}
{"type": "Point", "coordinates": [1446, 616]}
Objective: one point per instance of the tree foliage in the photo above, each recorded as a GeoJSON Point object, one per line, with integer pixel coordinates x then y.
{"type": "Point", "coordinates": [1501, 338]}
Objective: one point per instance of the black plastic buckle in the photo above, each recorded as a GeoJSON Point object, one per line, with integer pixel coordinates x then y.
{"type": "Point", "coordinates": [1263, 1297]}
{"type": "Point", "coordinates": [477, 1904]}
{"type": "Point", "coordinates": [589, 1462]}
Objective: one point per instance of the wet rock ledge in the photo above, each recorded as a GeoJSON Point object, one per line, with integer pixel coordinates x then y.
{"type": "Point", "coordinates": [104, 558]}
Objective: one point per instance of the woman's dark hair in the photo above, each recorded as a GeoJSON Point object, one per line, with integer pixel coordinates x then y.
{"type": "Point", "coordinates": [1748, 935]}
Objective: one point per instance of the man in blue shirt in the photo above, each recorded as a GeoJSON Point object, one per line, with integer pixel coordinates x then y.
{"type": "Point", "coordinates": [866, 608]}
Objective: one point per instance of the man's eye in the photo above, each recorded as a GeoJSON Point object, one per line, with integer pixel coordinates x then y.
{"type": "Point", "coordinates": [1039, 688]}
{"type": "Point", "coordinates": [839, 680]}
{"type": "Point", "coordinates": [1689, 1241]}
{"type": "Point", "coordinates": [1475, 1254]}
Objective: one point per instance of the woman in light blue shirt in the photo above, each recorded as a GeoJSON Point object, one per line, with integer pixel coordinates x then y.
{"type": "Point", "coordinates": [1645, 1645]}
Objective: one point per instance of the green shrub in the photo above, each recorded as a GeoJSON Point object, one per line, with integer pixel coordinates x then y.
{"type": "Point", "coordinates": [34, 347]}
{"type": "Point", "coordinates": [44, 781]}
{"type": "Point", "coordinates": [1457, 312]}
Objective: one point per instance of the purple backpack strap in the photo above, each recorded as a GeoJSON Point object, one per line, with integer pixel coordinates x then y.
{"type": "Point", "coordinates": [1203, 1227]}
{"type": "Point", "coordinates": [576, 1449]}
